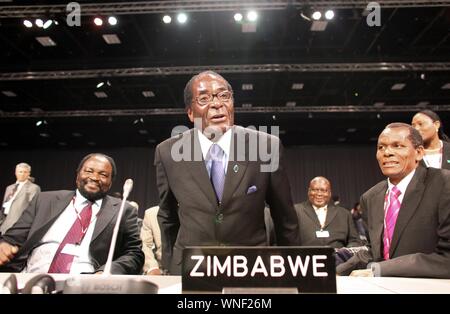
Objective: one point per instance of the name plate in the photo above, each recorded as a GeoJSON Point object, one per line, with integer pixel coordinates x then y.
{"type": "Point", "coordinates": [215, 269]}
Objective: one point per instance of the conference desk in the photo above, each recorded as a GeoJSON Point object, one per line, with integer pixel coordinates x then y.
{"type": "Point", "coordinates": [345, 285]}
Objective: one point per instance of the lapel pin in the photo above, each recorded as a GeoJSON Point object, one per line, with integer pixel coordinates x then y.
{"type": "Point", "coordinates": [235, 168]}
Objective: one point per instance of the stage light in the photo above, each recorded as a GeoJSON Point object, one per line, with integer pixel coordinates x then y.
{"type": "Point", "coordinates": [98, 21]}
{"type": "Point", "coordinates": [329, 15]}
{"type": "Point", "coordinates": [41, 122]}
{"type": "Point", "coordinates": [252, 16]}
{"type": "Point", "coordinates": [181, 18]}
{"type": "Point", "coordinates": [47, 24]}
{"type": "Point", "coordinates": [167, 19]}
{"type": "Point", "coordinates": [27, 23]}
{"type": "Point", "coordinates": [112, 20]}
{"type": "Point", "coordinates": [316, 15]}
{"type": "Point", "coordinates": [39, 23]}
{"type": "Point", "coordinates": [238, 17]}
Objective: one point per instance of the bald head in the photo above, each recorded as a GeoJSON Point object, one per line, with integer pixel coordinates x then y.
{"type": "Point", "coordinates": [319, 192]}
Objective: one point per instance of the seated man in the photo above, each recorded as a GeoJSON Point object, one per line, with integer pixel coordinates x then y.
{"type": "Point", "coordinates": [17, 197]}
{"type": "Point", "coordinates": [322, 223]}
{"type": "Point", "coordinates": [71, 231]}
{"type": "Point", "coordinates": [407, 215]}
{"type": "Point", "coordinates": [151, 242]}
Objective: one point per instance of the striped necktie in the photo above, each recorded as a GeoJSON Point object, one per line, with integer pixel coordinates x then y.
{"type": "Point", "coordinates": [62, 262]}
{"type": "Point", "coordinates": [217, 170]}
{"type": "Point", "coordinates": [390, 219]}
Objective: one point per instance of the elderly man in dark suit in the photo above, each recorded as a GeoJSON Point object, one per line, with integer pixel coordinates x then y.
{"type": "Point", "coordinates": [214, 180]}
{"type": "Point", "coordinates": [407, 215]}
{"type": "Point", "coordinates": [323, 223]}
{"type": "Point", "coordinates": [71, 231]}
{"type": "Point", "coordinates": [17, 197]}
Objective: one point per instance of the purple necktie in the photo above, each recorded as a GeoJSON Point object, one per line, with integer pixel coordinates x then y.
{"type": "Point", "coordinates": [390, 219]}
{"type": "Point", "coordinates": [217, 170]}
{"type": "Point", "coordinates": [63, 262]}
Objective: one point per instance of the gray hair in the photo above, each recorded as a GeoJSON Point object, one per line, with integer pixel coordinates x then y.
{"type": "Point", "coordinates": [24, 165]}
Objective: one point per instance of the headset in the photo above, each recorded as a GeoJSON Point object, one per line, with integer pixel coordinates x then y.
{"type": "Point", "coordinates": [40, 284]}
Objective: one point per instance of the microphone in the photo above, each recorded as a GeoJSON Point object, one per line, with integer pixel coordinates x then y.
{"type": "Point", "coordinates": [108, 283]}
{"type": "Point", "coordinates": [126, 191]}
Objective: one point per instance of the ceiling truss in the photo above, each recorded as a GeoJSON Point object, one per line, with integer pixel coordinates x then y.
{"type": "Point", "coordinates": [171, 6]}
{"type": "Point", "coordinates": [239, 68]}
{"type": "Point", "coordinates": [181, 111]}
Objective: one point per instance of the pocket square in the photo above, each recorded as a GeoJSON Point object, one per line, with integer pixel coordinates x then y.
{"type": "Point", "coordinates": [252, 189]}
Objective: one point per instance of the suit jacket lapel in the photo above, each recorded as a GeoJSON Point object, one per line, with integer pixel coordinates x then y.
{"type": "Point", "coordinates": [237, 163]}
{"type": "Point", "coordinates": [110, 207]}
{"type": "Point", "coordinates": [331, 214]}
{"type": "Point", "coordinates": [410, 202]}
{"type": "Point", "coordinates": [197, 167]}
{"type": "Point", "coordinates": [445, 155]}
{"type": "Point", "coordinates": [56, 208]}
{"type": "Point", "coordinates": [377, 215]}
{"type": "Point", "coordinates": [311, 212]}
{"type": "Point", "coordinates": [59, 205]}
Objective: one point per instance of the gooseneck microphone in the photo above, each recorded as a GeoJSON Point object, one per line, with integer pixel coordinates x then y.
{"type": "Point", "coordinates": [127, 187]}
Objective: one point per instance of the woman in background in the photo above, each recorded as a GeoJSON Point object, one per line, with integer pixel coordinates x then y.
{"type": "Point", "coordinates": [436, 143]}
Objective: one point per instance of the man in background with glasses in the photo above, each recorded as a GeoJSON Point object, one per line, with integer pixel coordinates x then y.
{"type": "Point", "coordinates": [321, 222]}
{"type": "Point", "coordinates": [214, 180]}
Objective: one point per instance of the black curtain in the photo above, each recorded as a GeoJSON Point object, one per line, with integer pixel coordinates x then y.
{"type": "Point", "coordinates": [351, 170]}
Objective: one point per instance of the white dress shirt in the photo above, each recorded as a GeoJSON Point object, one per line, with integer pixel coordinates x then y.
{"type": "Point", "coordinates": [42, 256]}
{"type": "Point", "coordinates": [402, 185]}
{"type": "Point", "coordinates": [7, 205]}
{"type": "Point", "coordinates": [321, 213]}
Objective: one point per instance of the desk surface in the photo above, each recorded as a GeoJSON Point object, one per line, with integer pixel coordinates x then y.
{"type": "Point", "coordinates": [345, 285]}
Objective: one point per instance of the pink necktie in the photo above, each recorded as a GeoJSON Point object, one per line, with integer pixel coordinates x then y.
{"type": "Point", "coordinates": [63, 262]}
{"type": "Point", "coordinates": [390, 219]}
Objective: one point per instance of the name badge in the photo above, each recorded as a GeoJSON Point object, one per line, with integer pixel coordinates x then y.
{"type": "Point", "coordinates": [322, 234]}
{"type": "Point", "coordinates": [71, 249]}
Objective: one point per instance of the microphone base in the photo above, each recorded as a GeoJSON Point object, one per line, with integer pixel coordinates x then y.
{"type": "Point", "coordinates": [108, 284]}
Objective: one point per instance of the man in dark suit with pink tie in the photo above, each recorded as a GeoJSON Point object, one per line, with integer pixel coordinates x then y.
{"type": "Point", "coordinates": [407, 215]}
{"type": "Point", "coordinates": [214, 181]}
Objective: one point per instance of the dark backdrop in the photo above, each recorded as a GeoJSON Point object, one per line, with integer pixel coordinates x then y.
{"type": "Point", "coordinates": [351, 170]}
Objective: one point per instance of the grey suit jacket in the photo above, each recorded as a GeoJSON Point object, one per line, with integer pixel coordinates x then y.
{"type": "Point", "coordinates": [46, 208]}
{"type": "Point", "coordinates": [189, 214]}
{"type": "Point", "coordinates": [338, 223]}
{"type": "Point", "coordinates": [151, 239]}
{"type": "Point", "coordinates": [421, 240]}
{"type": "Point", "coordinates": [20, 202]}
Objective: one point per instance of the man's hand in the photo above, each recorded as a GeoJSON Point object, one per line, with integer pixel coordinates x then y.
{"type": "Point", "coordinates": [7, 252]}
{"type": "Point", "coordinates": [154, 272]}
{"type": "Point", "coordinates": [362, 273]}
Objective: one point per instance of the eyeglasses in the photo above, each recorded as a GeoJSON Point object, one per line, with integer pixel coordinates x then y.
{"type": "Point", "coordinates": [204, 99]}
{"type": "Point", "coordinates": [323, 191]}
